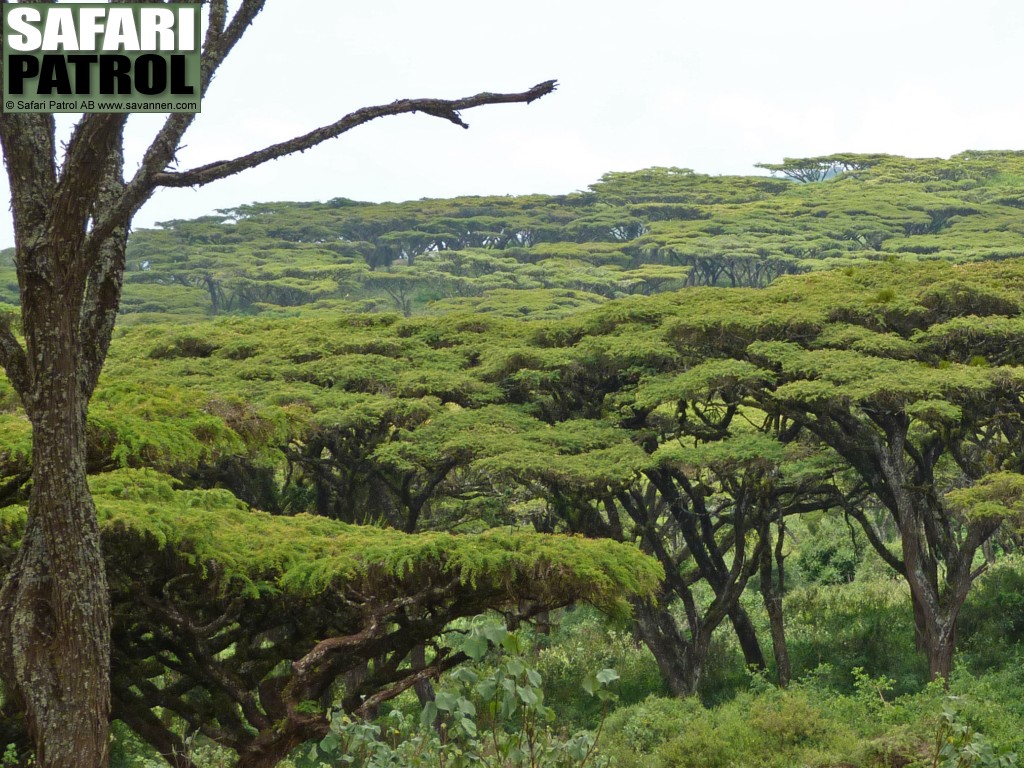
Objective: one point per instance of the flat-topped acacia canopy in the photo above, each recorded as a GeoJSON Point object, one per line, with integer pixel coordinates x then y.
{"type": "Point", "coordinates": [219, 609]}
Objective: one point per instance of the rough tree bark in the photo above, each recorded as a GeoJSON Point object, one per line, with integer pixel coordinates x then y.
{"type": "Point", "coordinates": [680, 661]}
{"type": "Point", "coordinates": [71, 215]}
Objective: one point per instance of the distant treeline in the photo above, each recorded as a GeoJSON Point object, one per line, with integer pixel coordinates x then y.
{"type": "Point", "coordinates": [641, 232]}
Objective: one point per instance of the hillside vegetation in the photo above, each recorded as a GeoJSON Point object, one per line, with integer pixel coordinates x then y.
{"type": "Point", "coordinates": [631, 233]}
{"type": "Point", "coordinates": [743, 456]}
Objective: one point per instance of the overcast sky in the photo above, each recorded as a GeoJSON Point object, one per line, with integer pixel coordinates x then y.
{"type": "Point", "coordinates": [715, 86]}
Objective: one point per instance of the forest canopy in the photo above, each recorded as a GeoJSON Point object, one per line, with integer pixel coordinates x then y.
{"type": "Point", "coordinates": [329, 435]}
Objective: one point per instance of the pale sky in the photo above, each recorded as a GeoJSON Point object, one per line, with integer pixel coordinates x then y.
{"type": "Point", "coordinates": [715, 86]}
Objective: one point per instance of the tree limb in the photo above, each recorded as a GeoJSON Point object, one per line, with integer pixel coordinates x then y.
{"type": "Point", "coordinates": [103, 285]}
{"type": "Point", "coordinates": [447, 109]}
{"type": "Point", "coordinates": [443, 664]}
{"type": "Point", "coordinates": [12, 490]}
{"type": "Point", "coordinates": [29, 146]}
{"type": "Point", "coordinates": [217, 45]}
{"type": "Point", "coordinates": [875, 539]}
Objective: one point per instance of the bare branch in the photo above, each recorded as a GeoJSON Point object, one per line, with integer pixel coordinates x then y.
{"type": "Point", "coordinates": [217, 45]}
{"type": "Point", "coordinates": [326, 647]}
{"type": "Point", "coordinates": [876, 541]}
{"type": "Point", "coordinates": [161, 152]}
{"type": "Point", "coordinates": [446, 109]}
{"type": "Point", "coordinates": [105, 264]}
{"type": "Point", "coordinates": [434, 671]}
{"type": "Point", "coordinates": [29, 148]}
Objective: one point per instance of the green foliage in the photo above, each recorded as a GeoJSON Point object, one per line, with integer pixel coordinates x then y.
{"type": "Point", "coordinates": [308, 555]}
{"type": "Point", "coordinates": [771, 729]}
{"type": "Point", "coordinates": [199, 571]}
{"type": "Point", "coordinates": [584, 640]}
{"type": "Point", "coordinates": [10, 756]}
{"type": "Point", "coordinates": [498, 718]}
{"type": "Point", "coordinates": [863, 624]}
{"type": "Point", "coordinates": [642, 728]}
{"type": "Point", "coordinates": [992, 621]}
{"type": "Point", "coordinates": [465, 422]}
{"type": "Point", "coordinates": [832, 553]}
{"type": "Point", "coordinates": [811, 725]}
{"type": "Point", "coordinates": [957, 745]}
{"type": "Point", "coordinates": [572, 364]}
{"type": "Point", "coordinates": [643, 232]}
{"type": "Point", "coordinates": [999, 495]}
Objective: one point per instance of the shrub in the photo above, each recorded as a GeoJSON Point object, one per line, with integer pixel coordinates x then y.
{"type": "Point", "coordinates": [831, 555]}
{"type": "Point", "coordinates": [867, 625]}
{"type": "Point", "coordinates": [786, 719]}
{"type": "Point", "coordinates": [640, 729]}
{"type": "Point", "coordinates": [586, 639]}
{"type": "Point", "coordinates": [992, 619]}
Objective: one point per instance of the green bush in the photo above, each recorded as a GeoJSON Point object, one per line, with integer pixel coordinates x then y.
{"type": "Point", "coordinates": [992, 619]}
{"type": "Point", "coordinates": [641, 729]}
{"type": "Point", "coordinates": [586, 639]}
{"type": "Point", "coordinates": [786, 719]}
{"type": "Point", "coordinates": [773, 728]}
{"type": "Point", "coordinates": [700, 747]}
{"type": "Point", "coordinates": [811, 725]}
{"type": "Point", "coordinates": [497, 719]}
{"type": "Point", "coordinates": [865, 624]}
{"type": "Point", "coordinates": [831, 554]}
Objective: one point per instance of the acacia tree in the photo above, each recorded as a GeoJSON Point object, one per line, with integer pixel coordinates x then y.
{"type": "Point", "coordinates": [911, 431]}
{"type": "Point", "coordinates": [898, 384]}
{"type": "Point", "coordinates": [72, 206]}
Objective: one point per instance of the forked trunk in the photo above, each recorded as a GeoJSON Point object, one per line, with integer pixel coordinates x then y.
{"type": "Point", "coordinates": [935, 635]}
{"type": "Point", "coordinates": [681, 662]}
{"type": "Point", "coordinates": [55, 620]}
{"type": "Point", "coordinates": [771, 593]}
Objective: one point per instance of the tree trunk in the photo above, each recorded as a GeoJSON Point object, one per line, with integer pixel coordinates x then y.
{"type": "Point", "coordinates": [54, 605]}
{"type": "Point", "coordinates": [424, 688]}
{"type": "Point", "coordinates": [681, 663]}
{"type": "Point", "coordinates": [935, 630]}
{"type": "Point", "coordinates": [214, 290]}
{"type": "Point", "coordinates": [772, 593]}
{"type": "Point", "coordinates": [753, 656]}
{"type": "Point", "coordinates": [780, 649]}
{"type": "Point", "coordinates": [940, 654]}
{"type": "Point", "coordinates": [935, 610]}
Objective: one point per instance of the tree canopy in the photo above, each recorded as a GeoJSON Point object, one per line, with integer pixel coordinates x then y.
{"type": "Point", "coordinates": [453, 386]}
